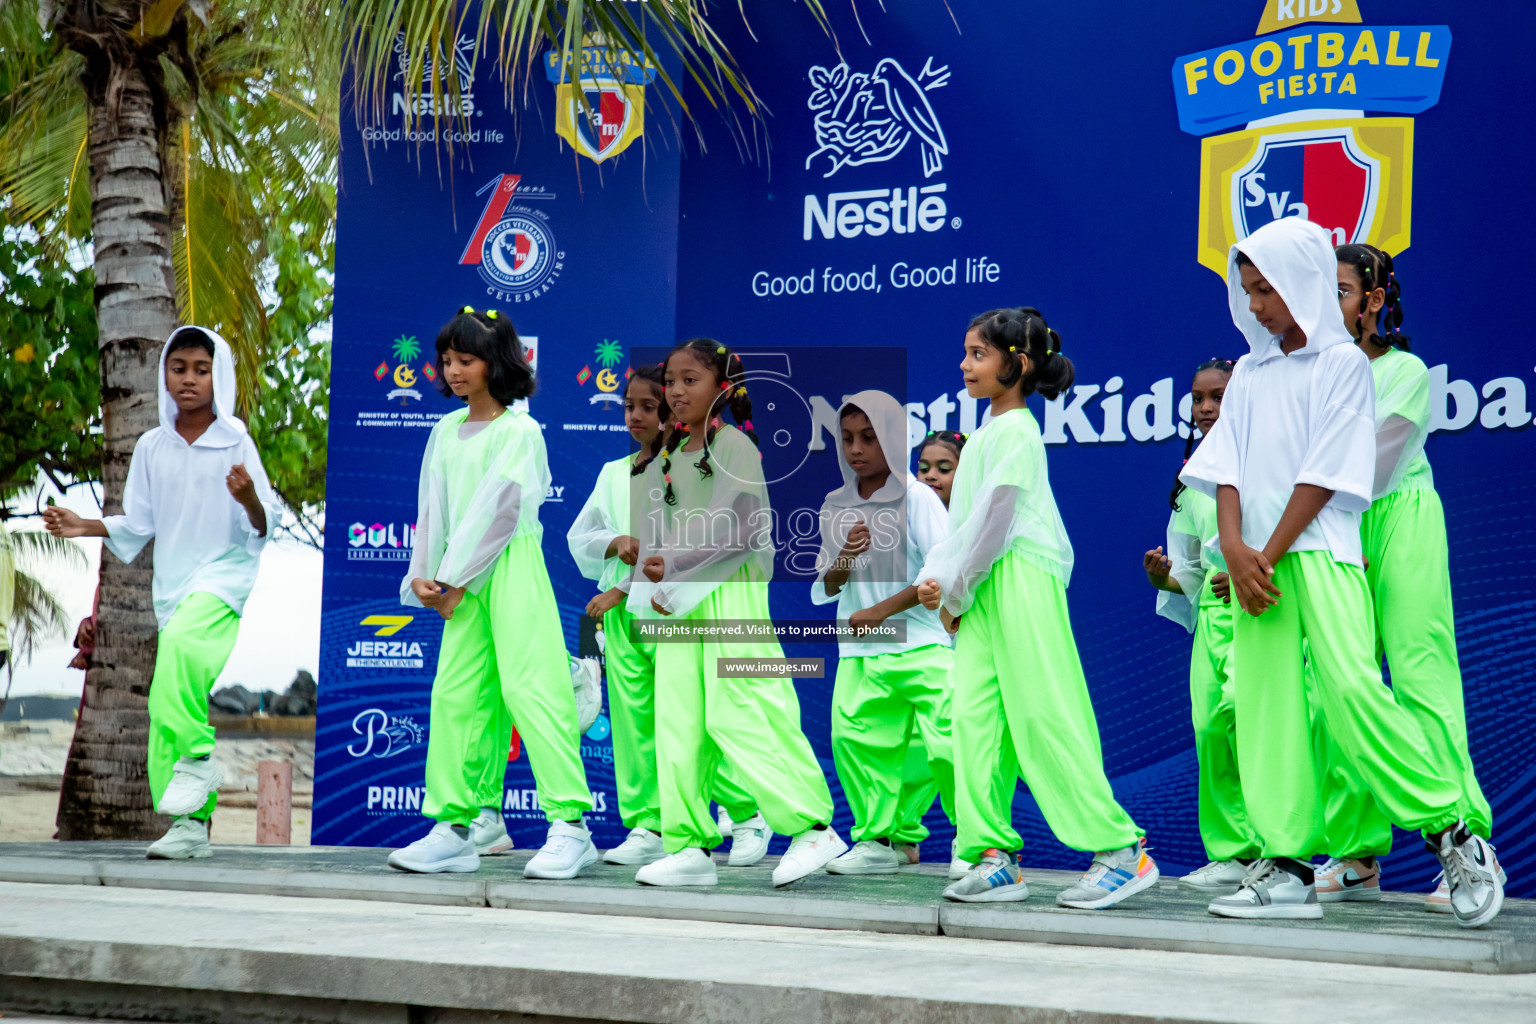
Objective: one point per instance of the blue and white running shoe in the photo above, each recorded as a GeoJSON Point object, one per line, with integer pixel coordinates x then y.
{"type": "Point", "coordinates": [996, 878]}
{"type": "Point", "coordinates": [1111, 878]}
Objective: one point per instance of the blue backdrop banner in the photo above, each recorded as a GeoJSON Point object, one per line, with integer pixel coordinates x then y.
{"type": "Point", "coordinates": [1095, 161]}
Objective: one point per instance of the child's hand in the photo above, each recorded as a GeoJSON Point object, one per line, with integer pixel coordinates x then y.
{"type": "Point", "coordinates": [857, 543]}
{"type": "Point", "coordinates": [449, 601]}
{"type": "Point", "coordinates": [1157, 566]}
{"type": "Point", "coordinates": [1249, 575]}
{"type": "Point", "coordinates": [928, 594]}
{"type": "Point", "coordinates": [1221, 586]}
{"type": "Point", "coordinates": [951, 622]}
{"type": "Point", "coordinates": [864, 620]}
{"type": "Point", "coordinates": [626, 549]}
{"type": "Point", "coordinates": [604, 602]}
{"type": "Point", "coordinates": [61, 522]}
{"type": "Point", "coordinates": [427, 592]}
{"type": "Point", "coordinates": [659, 608]}
{"type": "Point", "coordinates": [241, 487]}
{"type": "Point", "coordinates": [655, 568]}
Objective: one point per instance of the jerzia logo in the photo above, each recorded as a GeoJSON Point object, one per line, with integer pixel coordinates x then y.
{"type": "Point", "coordinates": [513, 247]}
{"type": "Point", "coordinates": [1352, 175]}
{"type": "Point", "coordinates": [404, 350]}
{"type": "Point", "coordinates": [868, 119]}
{"type": "Point", "coordinates": [603, 110]}
{"type": "Point", "coordinates": [385, 653]}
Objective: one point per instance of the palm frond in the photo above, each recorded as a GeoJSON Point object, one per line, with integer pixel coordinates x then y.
{"type": "Point", "coordinates": [36, 616]}
{"type": "Point", "coordinates": [38, 549]}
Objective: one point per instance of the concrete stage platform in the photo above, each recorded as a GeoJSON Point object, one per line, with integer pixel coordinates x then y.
{"type": "Point", "coordinates": [1396, 932]}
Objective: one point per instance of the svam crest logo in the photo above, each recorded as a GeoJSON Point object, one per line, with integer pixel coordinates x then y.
{"type": "Point", "coordinates": [601, 109]}
{"type": "Point", "coordinates": [512, 246]}
{"type": "Point", "coordinates": [870, 118]}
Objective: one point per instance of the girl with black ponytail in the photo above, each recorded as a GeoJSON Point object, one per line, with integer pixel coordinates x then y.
{"type": "Point", "coordinates": [1193, 591]}
{"type": "Point", "coordinates": [606, 549]}
{"type": "Point", "coordinates": [1407, 567]}
{"type": "Point", "coordinates": [1020, 703]}
{"type": "Point", "coordinates": [706, 555]}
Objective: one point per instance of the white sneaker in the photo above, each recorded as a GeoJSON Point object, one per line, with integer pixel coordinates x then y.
{"type": "Point", "coordinates": [749, 841]}
{"type": "Point", "coordinates": [1219, 876]}
{"type": "Point", "coordinates": [587, 681]}
{"type": "Point", "coordinates": [958, 866]}
{"type": "Point", "coordinates": [808, 852]}
{"type": "Point", "coordinates": [868, 857]}
{"type": "Point", "coordinates": [686, 867]}
{"type": "Point", "coordinates": [1439, 901]}
{"type": "Point", "coordinates": [438, 850]}
{"type": "Point", "coordinates": [489, 833]}
{"type": "Point", "coordinates": [910, 853]}
{"type": "Point", "coordinates": [193, 781]}
{"type": "Point", "coordinates": [186, 839]}
{"type": "Point", "coordinates": [565, 852]}
{"type": "Point", "coordinates": [1473, 875]}
{"type": "Point", "coordinates": [723, 820]}
{"type": "Point", "coordinates": [1269, 891]}
{"type": "Point", "coordinates": [996, 878]}
{"type": "Point", "coordinates": [641, 846]}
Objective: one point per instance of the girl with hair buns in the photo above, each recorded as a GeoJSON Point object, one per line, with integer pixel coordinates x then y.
{"type": "Point", "coordinates": [1407, 567]}
{"type": "Point", "coordinates": [706, 554]}
{"type": "Point", "coordinates": [1020, 703]}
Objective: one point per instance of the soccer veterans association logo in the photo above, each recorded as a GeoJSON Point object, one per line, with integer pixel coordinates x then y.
{"type": "Point", "coordinates": [1350, 174]}
{"type": "Point", "coordinates": [513, 246]}
{"type": "Point", "coordinates": [600, 110]}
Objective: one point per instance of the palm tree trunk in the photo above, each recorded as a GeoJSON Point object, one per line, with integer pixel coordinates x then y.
{"type": "Point", "coordinates": [106, 789]}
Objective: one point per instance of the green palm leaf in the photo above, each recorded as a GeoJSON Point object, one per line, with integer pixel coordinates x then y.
{"type": "Point", "coordinates": [406, 348]}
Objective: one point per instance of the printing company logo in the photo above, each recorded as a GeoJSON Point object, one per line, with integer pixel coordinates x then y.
{"type": "Point", "coordinates": [513, 247]}
{"type": "Point", "coordinates": [386, 653]}
{"type": "Point", "coordinates": [380, 542]}
{"type": "Point", "coordinates": [381, 734]}
{"type": "Point", "coordinates": [871, 119]}
{"type": "Point", "coordinates": [606, 355]}
{"type": "Point", "coordinates": [602, 111]}
{"type": "Point", "coordinates": [461, 63]}
{"type": "Point", "coordinates": [404, 351]}
{"type": "Point", "coordinates": [1350, 174]}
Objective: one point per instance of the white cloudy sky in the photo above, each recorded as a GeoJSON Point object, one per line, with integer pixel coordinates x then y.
{"type": "Point", "coordinates": [279, 633]}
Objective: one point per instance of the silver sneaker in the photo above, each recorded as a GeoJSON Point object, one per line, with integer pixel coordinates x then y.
{"type": "Point", "coordinates": [1219, 876]}
{"type": "Point", "coordinates": [186, 839]}
{"type": "Point", "coordinates": [1269, 891]}
{"type": "Point", "coordinates": [1472, 874]}
{"type": "Point", "coordinates": [996, 878]}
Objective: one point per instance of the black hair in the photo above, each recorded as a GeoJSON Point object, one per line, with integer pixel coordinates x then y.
{"type": "Point", "coordinates": [850, 410]}
{"type": "Point", "coordinates": [1244, 261]}
{"type": "Point", "coordinates": [1023, 332]}
{"type": "Point", "coordinates": [952, 438]}
{"type": "Point", "coordinates": [1214, 363]}
{"type": "Point", "coordinates": [488, 335]}
{"type": "Point", "coordinates": [657, 377]}
{"type": "Point", "coordinates": [1375, 269]}
{"type": "Point", "coordinates": [729, 372]}
{"type": "Point", "coordinates": [189, 337]}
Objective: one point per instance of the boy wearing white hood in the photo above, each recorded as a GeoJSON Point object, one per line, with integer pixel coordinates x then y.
{"type": "Point", "coordinates": [1291, 463]}
{"type": "Point", "coordinates": [196, 484]}
{"type": "Point", "coordinates": [876, 531]}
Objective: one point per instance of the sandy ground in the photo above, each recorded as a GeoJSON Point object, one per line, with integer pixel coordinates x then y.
{"type": "Point", "coordinates": [27, 815]}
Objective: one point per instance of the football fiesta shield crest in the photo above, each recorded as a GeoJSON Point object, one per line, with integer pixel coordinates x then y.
{"type": "Point", "coordinates": [600, 109]}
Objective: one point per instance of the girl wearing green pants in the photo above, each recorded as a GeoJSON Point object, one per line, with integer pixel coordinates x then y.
{"type": "Point", "coordinates": [605, 551]}
{"type": "Point", "coordinates": [478, 563]}
{"type": "Point", "coordinates": [1020, 703]}
{"type": "Point", "coordinates": [1192, 581]}
{"type": "Point", "coordinates": [706, 555]}
{"type": "Point", "coordinates": [1407, 570]}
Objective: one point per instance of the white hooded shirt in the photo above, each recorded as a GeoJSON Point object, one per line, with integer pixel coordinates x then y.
{"type": "Point", "coordinates": [906, 519]}
{"type": "Point", "coordinates": [1303, 418]}
{"type": "Point", "coordinates": [176, 493]}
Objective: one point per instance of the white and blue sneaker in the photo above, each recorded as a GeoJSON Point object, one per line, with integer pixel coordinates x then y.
{"type": "Point", "coordinates": [996, 878]}
{"type": "Point", "coordinates": [1112, 877]}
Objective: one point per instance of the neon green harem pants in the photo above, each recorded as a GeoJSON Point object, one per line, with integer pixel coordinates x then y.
{"type": "Point", "coordinates": [194, 647]}
{"type": "Point", "coordinates": [1409, 575]}
{"type": "Point", "coordinates": [503, 660]}
{"type": "Point", "coordinates": [1021, 706]}
{"type": "Point", "coordinates": [876, 702]}
{"type": "Point", "coordinates": [753, 723]}
{"type": "Point", "coordinates": [1327, 605]}
{"type": "Point", "coordinates": [1224, 826]}
{"type": "Point", "coordinates": [631, 672]}
{"type": "Point", "coordinates": [918, 790]}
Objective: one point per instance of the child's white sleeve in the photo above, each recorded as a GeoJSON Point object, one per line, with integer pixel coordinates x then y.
{"type": "Point", "coordinates": [999, 514]}
{"type": "Point", "coordinates": [593, 530]}
{"type": "Point", "coordinates": [428, 544]}
{"type": "Point", "coordinates": [928, 520]}
{"type": "Point", "coordinates": [1341, 442]}
{"type": "Point", "coordinates": [832, 526]}
{"type": "Point", "coordinates": [128, 533]}
{"type": "Point", "coordinates": [1187, 569]}
{"type": "Point", "coordinates": [251, 538]}
{"type": "Point", "coordinates": [519, 475]}
{"type": "Point", "coordinates": [1402, 415]}
{"type": "Point", "coordinates": [1218, 461]}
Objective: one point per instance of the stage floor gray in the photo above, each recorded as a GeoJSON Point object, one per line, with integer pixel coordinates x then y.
{"type": "Point", "coordinates": [1396, 932]}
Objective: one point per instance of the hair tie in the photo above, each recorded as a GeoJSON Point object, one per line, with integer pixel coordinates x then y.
{"type": "Point", "coordinates": [742, 390]}
{"type": "Point", "coordinates": [747, 425]}
{"type": "Point", "coordinates": [1013, 350]}
{"type": "Point", "coordinates": [684, 427]}
{"type": "Point", "coordinates": [490, 314]}
{"type": "Point", "coordinates": [667, 477]}
{"type": "Point", "coordinates": [719, 350]}
{"type": "Point", "coordinates": [467, 309]}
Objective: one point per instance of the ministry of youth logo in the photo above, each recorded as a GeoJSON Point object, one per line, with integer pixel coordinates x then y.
{"type": "Point", "coordinates": [870, 118]}
{"type": "Point", "coordinates": [513, 247]}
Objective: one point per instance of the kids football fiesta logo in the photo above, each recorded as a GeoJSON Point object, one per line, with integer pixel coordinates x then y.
{"type": "Point", "coordinates": [513, 247]}
{"type": "Point", "coordinates": [602, 111]}
{"type": "Point", "coordinates": [1352, 175]}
